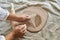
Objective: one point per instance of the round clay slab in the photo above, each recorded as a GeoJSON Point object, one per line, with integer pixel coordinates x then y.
{"type": "Point", "coordinates": [38, 18]}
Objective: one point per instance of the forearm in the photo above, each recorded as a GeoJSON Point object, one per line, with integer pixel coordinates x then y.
{"type": "Point", "coordinates": [10, 36]}
{"type": "Point", "coordinates": [14, 17]}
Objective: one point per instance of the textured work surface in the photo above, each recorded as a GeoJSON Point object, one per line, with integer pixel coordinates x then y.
{"type": "Point", "coordinates": [51, 30]}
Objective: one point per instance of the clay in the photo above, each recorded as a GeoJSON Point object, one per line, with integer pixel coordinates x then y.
{"type": "Point", "coordinates": [38, 18]}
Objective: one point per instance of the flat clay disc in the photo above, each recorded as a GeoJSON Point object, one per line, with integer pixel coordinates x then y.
{"type": "Point", "coordinates": [38, 18]}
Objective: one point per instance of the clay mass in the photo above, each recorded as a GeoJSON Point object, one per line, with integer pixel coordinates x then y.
{"type": "Point", "coordinates": [38, 18]}
{"type": "Point", "coordinates": [35, 18]}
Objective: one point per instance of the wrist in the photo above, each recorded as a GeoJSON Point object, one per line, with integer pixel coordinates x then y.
{"type": "Point", "coordinates": [19, 19]}
{"type": "Point", "coordinates": [10, 36]}
{"type": "Point", "coordinates": [14, 17]}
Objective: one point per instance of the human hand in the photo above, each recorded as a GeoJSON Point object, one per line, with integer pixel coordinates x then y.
{"type": "Point", "coordinates": [24, 18]}
{"type": "Point", "coordinates": [19, 31]}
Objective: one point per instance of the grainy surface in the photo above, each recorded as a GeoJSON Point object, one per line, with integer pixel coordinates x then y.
{"type": "Point", "coordinates": [51, 30]}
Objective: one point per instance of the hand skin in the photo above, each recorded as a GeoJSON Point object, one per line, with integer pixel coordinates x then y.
{"type": "Point", "coordinates": [14, 17]}
{"type": "Point", "coordinates": [19, 31]}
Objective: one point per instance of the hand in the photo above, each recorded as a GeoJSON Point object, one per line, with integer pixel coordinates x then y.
{"type": "Point", "coordinates": [24, 18]}
{"type": "Point", "coordinates": [19, 31]}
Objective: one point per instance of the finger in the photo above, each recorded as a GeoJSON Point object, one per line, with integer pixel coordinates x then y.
{"type": "Point", "coordinates": [23, 31]}
{"type": "Point", "coordinates": [28, 17]}
{"type": "Point", "coordinates": [20, 27]}
{"type": "Point", "coordinates": [23, 27]}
